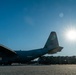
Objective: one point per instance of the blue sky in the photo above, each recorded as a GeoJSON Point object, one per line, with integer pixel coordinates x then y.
{"type": "Point", "coordinates": [26, 24]}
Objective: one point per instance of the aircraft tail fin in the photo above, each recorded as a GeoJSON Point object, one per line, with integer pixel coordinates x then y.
{"type": "Point", "coordinates": [52, 41]}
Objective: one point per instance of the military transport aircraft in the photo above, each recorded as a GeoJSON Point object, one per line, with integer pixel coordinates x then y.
{"type": "Point", "coordinates": [8, 56]}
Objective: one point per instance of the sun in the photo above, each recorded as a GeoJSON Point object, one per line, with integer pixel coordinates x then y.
{"type": "Point", "coordinates": [71, 34]}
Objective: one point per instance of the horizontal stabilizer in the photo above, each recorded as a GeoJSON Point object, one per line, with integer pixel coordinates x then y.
{"type": "Point", "coordinates": [58, 49]}
{"type": "Point", "coordinates": [7, 51]}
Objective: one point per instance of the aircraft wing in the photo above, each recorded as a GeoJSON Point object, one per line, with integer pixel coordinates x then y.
{"type": "Point", "coordinates": [7, 51]}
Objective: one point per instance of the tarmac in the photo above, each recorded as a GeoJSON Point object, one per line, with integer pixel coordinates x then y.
{"type": "Point", "coordinates": [38, 70]}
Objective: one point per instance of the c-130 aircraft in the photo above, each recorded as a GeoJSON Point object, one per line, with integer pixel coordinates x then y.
{"type": "Point", "coordinates": [8, 56]}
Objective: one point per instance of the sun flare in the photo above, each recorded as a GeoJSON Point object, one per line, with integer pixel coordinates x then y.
{"type": "Point", "coordinates": [71, 35]}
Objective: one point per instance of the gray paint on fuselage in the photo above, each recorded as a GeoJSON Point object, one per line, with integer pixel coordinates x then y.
{"type": "Point", "coordinates": [25, 56]}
